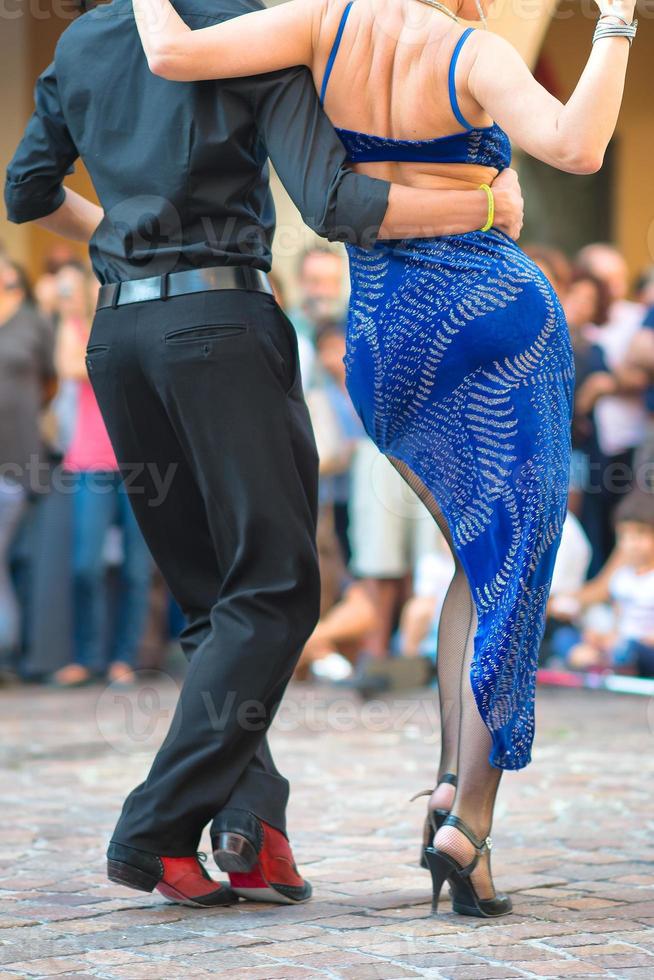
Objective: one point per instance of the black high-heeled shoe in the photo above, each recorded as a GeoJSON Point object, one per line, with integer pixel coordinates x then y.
{"type": "Point", "coordinates": [444, 867]}
{"type": "Point", "coordinates": [434, 818]}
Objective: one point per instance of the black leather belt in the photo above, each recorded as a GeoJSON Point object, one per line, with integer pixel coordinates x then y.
{"type": "Point", "coordinates": [181, 283]}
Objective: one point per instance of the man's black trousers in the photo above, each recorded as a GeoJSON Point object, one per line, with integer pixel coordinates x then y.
{"type": "Point", "coordinates": [202, 398]}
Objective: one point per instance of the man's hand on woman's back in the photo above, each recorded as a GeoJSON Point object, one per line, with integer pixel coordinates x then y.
{"type": "Point", "coordinates": [509, 205]}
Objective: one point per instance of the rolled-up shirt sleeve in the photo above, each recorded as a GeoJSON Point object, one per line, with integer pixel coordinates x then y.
{"type": "Point", "coordinates": [45, 155]}
{"type": "Point", "coordinates": [310, 160]}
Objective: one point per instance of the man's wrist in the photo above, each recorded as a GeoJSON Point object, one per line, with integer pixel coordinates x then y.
{"type": "Point", "coordinates": [471, 211]}
{"type": "Point", "coordinates": [481, 208]}
{"type": "Point", "coordinates": [463, 210]}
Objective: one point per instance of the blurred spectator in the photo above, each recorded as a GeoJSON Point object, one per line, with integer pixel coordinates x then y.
{"type": "Point", "coordinates": [620, 418]}
{"type": "Point", "coordinates": [553, 264]}
{"type": "Point", "coordinates": [641, 357]}
{"type": "Point", "coordinates": [627, 582]}
{"type": "Point", "coordinates": [586, 303]}
{"type": "Point", "coordinates": [572, 559]}
{"type": "Point", "coordinates": [100, 502]}
{"type": "Point", "coordinates": [22, 282]}
{"type": "Point", "coordinates": [337, 429]}
{"type": "Point", "coordinates": [74, 293]}
{"type": "Point", "coordinates": [45, 292]}
{"type": "Point", "coordinates": [27, 381]}
{"type": "Point", "coordinates": [421, 614]}
{"type": "Point", "coordinates": [347, 614]}
{"type": "Point", "coordinates": [60, 254]}
{"type": "Point", "coordinates": [644, 288]}
{"type": "Point", "coordinates": [390, 530]}
{"type": "Point", "coordinates": [321, 301]}
{"type": "Point", "coordinates": [46, 289]}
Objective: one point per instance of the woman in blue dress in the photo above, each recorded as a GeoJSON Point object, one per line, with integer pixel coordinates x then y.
{"type": "Point", "coordinates": [459, 360]}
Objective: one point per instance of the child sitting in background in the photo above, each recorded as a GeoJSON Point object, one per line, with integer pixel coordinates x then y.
{"type": "Point", "coordinates": [627, 582]}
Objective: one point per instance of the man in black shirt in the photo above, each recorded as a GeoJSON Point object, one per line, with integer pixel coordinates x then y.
{"type": "Point", "coordinates": [196, 373]}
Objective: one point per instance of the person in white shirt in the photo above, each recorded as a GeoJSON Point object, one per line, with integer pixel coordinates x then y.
{"type": "Point", "coordinates": [627, 583]}
{"type": "Point", "coordinates": [620, 418]}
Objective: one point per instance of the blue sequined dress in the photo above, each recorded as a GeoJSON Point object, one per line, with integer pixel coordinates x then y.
{"type": "Point", "coordinates": [460, 366]}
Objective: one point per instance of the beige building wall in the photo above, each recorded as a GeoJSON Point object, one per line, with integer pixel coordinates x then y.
{"type": "Point", "coordinates": [524, 23]}
{"type": "Point", "coordinates": [565, 47]}
{"type": "Point", "coordinates": [14, 83]}
{"type": "Point", "coordinates": [27, 45]}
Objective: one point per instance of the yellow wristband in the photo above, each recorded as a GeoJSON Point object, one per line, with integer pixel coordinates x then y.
{"type": "Point", "coordinates": [491, 207]}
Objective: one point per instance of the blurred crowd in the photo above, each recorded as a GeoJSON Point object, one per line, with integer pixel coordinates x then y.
{"type": "Point", "coordinates": [386, 568]}
{"type": "Point", "coordinates": [81, 600]}
{"type": "Point", "coordinates": [78, 593]}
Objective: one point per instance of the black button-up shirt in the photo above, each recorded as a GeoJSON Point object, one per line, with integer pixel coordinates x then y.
{"type": "Point", "coordinates": [180, 168]}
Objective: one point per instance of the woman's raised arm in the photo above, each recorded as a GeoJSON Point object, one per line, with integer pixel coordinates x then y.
{"type": "Point", "coordinates": [571, 137]}
{"type": "Point", "coordinates": [258, 42]}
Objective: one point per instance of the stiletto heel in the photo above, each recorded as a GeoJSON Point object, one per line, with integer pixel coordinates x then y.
{"type": "Point", "coordinates": [465, 900]}
{"type": "Point", "coordinates": [442, 866]}
{"type": "Point", "coordinates": [434, 819]}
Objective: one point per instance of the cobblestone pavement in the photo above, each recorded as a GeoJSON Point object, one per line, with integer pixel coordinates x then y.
{"type": "Point", "coordinates": [573, 844]}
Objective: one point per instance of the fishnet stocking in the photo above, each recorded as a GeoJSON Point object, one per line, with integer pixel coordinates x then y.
{"type": "Point", "coordinates": [465, 739]}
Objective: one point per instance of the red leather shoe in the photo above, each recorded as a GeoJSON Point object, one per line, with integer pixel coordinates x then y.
{"type": "Point", "coordinates": [180, 879]}
{"type": "Point", "coordinates": [258, 859]}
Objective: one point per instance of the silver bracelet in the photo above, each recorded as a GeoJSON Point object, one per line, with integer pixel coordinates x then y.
{"type": "Point", "coordinates": [627, 23]}
{"type": "Point", "coordinates": [616, 30]}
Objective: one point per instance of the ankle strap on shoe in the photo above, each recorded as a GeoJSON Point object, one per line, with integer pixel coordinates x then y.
{"type": "Point", "coordinates": [480, 844]}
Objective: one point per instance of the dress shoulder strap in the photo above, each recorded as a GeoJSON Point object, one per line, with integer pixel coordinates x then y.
{"type": "Point", "coordinates": [450, 78]}
{"type": "Point", "coordinates": [334, 51]}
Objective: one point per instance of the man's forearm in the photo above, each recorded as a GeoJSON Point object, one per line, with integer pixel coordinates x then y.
{"type": "Point", "coordinates": [76, 219]}
{"type": "Point", "coordinates": [419, 213]}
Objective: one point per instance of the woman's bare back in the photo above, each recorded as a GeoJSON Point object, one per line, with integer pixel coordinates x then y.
{"type": "Point", "coordinates": [390, 78]}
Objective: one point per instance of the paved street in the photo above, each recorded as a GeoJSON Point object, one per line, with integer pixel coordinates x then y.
{"type": "Point", "coordinates": [572, 843]}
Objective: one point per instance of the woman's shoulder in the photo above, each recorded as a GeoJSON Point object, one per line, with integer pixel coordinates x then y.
{"type": "Point", "coordinates": [487, 42]}
{"type": "Point", "coordinates": [488, 48]}
{"type": "Point", "coordinates": [331, 10]}
{"type": "Point", "coordinates": [327, 16]}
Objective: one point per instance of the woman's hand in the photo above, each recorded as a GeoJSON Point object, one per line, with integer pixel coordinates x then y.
{"type": "Point", "coordinates": [621, 9]}
{"type": "Point", "coordinates": [509, 205]}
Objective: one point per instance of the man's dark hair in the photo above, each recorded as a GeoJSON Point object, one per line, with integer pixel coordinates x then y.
{"type": "Point", "coordinates": [637, 508]}
{"type": "Point", "coordinates": [21, 278]}
{"type": "Point", "coordinates": [602, 295]}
